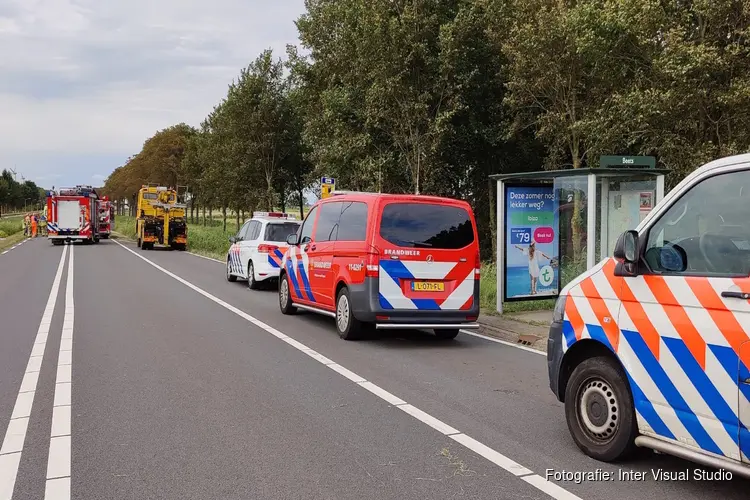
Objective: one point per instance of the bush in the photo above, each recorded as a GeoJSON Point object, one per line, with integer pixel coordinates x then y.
{"type": "Point", "coordinates": [10, 226]}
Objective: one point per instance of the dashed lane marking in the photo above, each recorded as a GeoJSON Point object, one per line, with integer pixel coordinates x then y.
{"type": "Point", "coordinates": [552, 489]}
{"type": "Point", "coordinates": [59, 458]}
{"type": "Point", "coordinates": [15, 435]}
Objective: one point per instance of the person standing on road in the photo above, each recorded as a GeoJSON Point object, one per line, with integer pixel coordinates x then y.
{"type": "Point", "coordinates": [33, 225]}
{"type": "Point", "coordinates": [26, 224]}
{"type": "Point", "coordinates": [43, 225]}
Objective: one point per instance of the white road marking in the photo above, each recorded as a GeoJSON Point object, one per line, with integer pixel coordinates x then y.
{"type": "Point", "coordinates": [58, 461]}
{"type": "Point", "coordinates": [15, 435]}
{"type": "Point", "coordinates": [551, 489]}
{"type": "Point", "coordinates": [504, 342]}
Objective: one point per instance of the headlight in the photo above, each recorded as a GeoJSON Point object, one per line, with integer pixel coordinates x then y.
{"type": "Point", "coordinates": [559, 313]}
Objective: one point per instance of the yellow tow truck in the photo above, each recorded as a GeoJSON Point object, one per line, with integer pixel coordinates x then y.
{"type": "Point", "coordinates": [161, 219]}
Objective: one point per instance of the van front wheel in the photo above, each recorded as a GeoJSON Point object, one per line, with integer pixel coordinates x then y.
{"type": "Point", "coordinates": [599, 410]}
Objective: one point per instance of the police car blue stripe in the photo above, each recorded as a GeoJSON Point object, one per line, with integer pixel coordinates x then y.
{"type": "Point", "coordinates": [293, 278]}
{"type": "Point", "coordinates": [707, 390]}
{"type": "Point", "coordinates": [278, 254]}
{"type": "Point", "coordinates": [729, 360]}
{"type": "Point", "coordinates": [569, 333]}
{"type": "Point", "coordinates": [272, 262]}
{"type": "Point", "coordinates": [305, 281]}
{"type": "Point", "coordinates": [671, 394]}
{"type": "Point", "coordinates": [597, 333]}
{"type": "Point", "coordinates": [647, 411]}
{"type": "Point", "coordinates": [384, 304]}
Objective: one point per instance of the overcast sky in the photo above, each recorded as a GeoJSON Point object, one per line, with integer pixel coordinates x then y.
{"type": "Point", "coordinates": [83, 83]}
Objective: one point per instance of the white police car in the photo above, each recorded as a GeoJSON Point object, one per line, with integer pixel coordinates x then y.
{"type": "Point", "coordinates": [258, 248]}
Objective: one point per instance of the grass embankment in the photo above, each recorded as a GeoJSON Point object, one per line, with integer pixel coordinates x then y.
{"type": "Point", "coordinates": [11, 232]}
{"type": "Point", "coordinates": [212, 241]}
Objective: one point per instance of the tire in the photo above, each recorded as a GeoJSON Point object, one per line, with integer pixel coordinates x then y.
{"type": "Point", "coordinates": [138, 242]}
{"type": "Point", "coordinates": [251, 283]}
{"type": "Point", "coordinates": [446, 334]}
{"type": "Point", "coordinates": [348, 327]}
{"type": "Point", "coordinates": [230, 277]}
{"type": "Point", "coordinates": [285, 297]}
{"type": "Point", "coordinates": [606, 436]}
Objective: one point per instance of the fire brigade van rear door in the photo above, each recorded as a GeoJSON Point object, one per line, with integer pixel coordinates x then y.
{"type": "Point", "coordinates": [321, 253]}
{"type": "Point", "coordinates": [249, 245]}
{"type": "Point", "coordinates": [685, 318]}
{"type": "Point", "coordinates": [428, 257]}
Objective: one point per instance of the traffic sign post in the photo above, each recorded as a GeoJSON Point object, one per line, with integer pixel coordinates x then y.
{"type": "Point", "coordinates": [327, 186]}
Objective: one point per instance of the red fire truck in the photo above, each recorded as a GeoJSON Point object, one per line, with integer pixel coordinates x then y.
{"type": "Point", "coordinates": [105, 212]}
{"type": "Point", "coordinates": [71, 214]}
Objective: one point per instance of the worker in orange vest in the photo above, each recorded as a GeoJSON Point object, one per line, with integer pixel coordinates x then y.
{"type": "Point", "coordinates": [33, 225]}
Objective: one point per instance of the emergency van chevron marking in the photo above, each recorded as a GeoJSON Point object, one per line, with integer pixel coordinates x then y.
{"type": "Point", "coordinates": [393, 273]}
{"type": "Point", "coordinates": [299, 269]}
{"type": "Point", "coordinates": [680, 344]}
{"type": "Point", "coordinates": [275, 258]}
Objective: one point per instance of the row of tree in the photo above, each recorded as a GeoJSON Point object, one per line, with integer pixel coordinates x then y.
{"type": "Point", "coordinates": [433, 96]}
{"type": "Point", "coordinates": [17, 196]}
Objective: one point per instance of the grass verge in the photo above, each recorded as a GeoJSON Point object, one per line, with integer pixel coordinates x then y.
{"type": "Point", "coordinates": [11, 240]}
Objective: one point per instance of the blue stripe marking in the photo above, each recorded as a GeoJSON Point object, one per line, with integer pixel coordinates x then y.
{"type": "Point", "coordinates": [568, 333]}
{"type": "Point", "coordinates": [278, 253]}
{"type": "Point", "coordinates": [733, 366]}
{"type": "Point", "coordinates": [305, 281]}
{"type": "Point", "coordinates": [384, 304]}
{"type": "Point", "coordinates": [670, 393]}
{"type": "Point", "coordinates": [272, 262]}
{"type": "Point", "coordinates": [705, 387]}
{"type": "Point", "coordinates": [426, 304]}
{"type": "Point", "coordinates": [647, 411]}
{"type": "Point", "coordinates": [396, 270]}
{"type": "Point", "coordinates": [290, 273]}
{"type": "Point", "coordinates": [597, 333]}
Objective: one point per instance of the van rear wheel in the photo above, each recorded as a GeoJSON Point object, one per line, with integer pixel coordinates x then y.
{"type": "Point", "coordinates": [599, 410]}
{"type": "Point", "coordinates": [446, 334]}
{"type": "Point", "coordinates": [349, 327]}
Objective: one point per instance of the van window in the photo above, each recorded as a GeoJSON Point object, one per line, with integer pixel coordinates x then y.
{"type": "Point", "coordinates": [706, 232]}
{"type": "Point", "coordinates": [353, 223]}
{"type": "Point", "coordinates": [279, 232]}
{"type": "Point", "coordinates": [328, 222]}
{"type": "Point", "coordinates": [307, 226]}
{"type": "Point", "coordinates": [426, 225]}
{"type": "Point", "coordinates": [150, 196]}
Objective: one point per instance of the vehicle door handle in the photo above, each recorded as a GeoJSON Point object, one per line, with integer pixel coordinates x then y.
{"type": "Point", "coordinates": [312, 247]}
{"type": "Point", "coordinates": [736, 295]}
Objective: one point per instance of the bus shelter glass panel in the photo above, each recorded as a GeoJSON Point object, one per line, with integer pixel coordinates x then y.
{"type": "Point", "coordinates": [622, 202]}
{"type": "Point", "coordinates": [572, 201]}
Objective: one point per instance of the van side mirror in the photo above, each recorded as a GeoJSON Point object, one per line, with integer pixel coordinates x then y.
{"type": "Point", "coordinates": [291, 239]}
{"type": "Point", "coordinates": [232, 240]}
{"type": "Point", "coordinates": [626, 248]}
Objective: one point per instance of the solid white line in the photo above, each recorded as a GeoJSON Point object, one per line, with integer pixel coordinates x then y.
{"type": "Point", "coordinates": [474, 445]}
{"type": "Point", "coordinates": [207, 258]}
{"type": "Point", "coordinates": [504, 342]}
{"type": "Point", "coordinates": [550, 488]}
{"type": "Point", "coordinates": [22, 409]}
{"type": "Point", "coordinates": [58, 461]}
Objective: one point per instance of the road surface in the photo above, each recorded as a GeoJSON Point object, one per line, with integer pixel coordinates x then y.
{"type": "Point", "coordinates": [127, 374]}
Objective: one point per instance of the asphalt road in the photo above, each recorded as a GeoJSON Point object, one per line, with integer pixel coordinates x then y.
{"type": "Point", "coordinates": [185, 386]}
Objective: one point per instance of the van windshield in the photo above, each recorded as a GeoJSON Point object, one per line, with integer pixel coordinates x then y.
{"type": "Point", "coordinates": [426, 225]}
{"type": "Point", "coordinates": [280, 231]}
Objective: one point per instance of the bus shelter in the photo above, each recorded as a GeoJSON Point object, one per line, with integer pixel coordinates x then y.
{"type": "Point", "coordinates": [553, 225]}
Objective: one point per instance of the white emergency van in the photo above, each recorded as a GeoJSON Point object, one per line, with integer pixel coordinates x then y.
{"type": "Point", "coordinates": [651, 348]}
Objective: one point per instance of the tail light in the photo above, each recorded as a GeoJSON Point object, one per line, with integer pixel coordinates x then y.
{"type": "Point", "coordinates": [263, 248]}
{"type": "Point", "coordinates": [372, 266]}
{"type": "Point", "coordinates": [477, 265]}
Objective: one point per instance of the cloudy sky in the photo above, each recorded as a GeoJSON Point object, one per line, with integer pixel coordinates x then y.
{"type": "Point", "coordinates": [83, 83]}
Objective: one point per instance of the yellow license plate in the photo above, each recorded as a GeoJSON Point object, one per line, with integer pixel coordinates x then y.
{"type": "Point", "coordinates": [427, 286]}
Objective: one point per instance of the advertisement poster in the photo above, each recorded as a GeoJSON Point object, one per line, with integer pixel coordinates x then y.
{"type": "Point", "coordinates": [532, 243]}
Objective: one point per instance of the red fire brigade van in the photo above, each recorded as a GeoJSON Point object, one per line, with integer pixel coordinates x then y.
{"type": "Point", "coordinates": [388, 261]}
{"type": "Point", "coordinates": [104, 213]}
{"type": "Point", "coordinates": [71, 214]}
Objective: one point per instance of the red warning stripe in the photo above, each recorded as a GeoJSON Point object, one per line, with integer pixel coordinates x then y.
{"type": "Point", "coordinates": [679, 318]}
{"type": "Point", "coordinates": [633, 308]}
{"type": "Point", "coordinates": [608, 323]}
{"type": "Point", "coordinates": [572, 315]}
